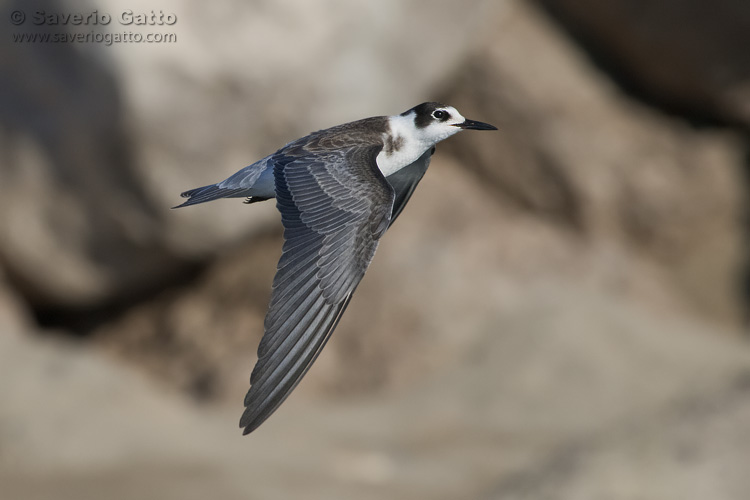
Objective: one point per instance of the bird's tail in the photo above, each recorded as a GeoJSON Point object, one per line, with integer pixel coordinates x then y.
{"type": "Point", "coordinates": [210, 193]}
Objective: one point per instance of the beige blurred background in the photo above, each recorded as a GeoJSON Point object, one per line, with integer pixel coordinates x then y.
{"type": "Point", "coordinates": [560, 313]}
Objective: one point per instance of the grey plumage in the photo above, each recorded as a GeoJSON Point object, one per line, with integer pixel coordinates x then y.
{"type": "Point", "coordinates": [335, 205]}
{"type": "Point", "coordinates": [238, 185]}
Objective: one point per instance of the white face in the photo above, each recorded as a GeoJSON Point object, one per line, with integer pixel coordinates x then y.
{"type": "Point", "coordinates": [442, 125]}
{"type": "Point", "coordinates": [415, 131]}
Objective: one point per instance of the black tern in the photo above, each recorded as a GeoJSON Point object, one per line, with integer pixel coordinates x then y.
{"type": "Point", "coordinates": [338, 191]}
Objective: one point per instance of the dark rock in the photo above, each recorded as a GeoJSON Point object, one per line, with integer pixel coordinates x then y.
{"type": "Point", "coordinates": [689, 57]}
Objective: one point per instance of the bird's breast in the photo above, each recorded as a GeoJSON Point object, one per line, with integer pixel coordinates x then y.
{"type": "Point", "coordinates": [398, 153]}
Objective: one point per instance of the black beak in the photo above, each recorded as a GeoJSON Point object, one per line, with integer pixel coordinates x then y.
{"type": "Point", "coordinates": [474, 125]}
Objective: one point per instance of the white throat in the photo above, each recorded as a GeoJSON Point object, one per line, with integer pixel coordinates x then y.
{"type": "Point", "coordinates": [404, 142]}
{"type": "Point", "coordinates": [403, 145]}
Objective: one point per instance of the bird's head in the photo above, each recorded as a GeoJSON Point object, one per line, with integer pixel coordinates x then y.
{"type": "Point", "coordinates": [434, 121]}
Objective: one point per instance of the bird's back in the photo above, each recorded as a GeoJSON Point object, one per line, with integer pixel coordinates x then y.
{"type": "Point", "coordinates": [368, 131]}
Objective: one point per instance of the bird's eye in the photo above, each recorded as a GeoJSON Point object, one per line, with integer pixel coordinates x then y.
{"type": "Point", "coordinates": [440, 115]}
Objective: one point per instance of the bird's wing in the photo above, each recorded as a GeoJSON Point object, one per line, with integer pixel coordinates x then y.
{"type": "Point", "coordinates": [335, 205]}
{"type": "Point", "coordinates": [405, 181]}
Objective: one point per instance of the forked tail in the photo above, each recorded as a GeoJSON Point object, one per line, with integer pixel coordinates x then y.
{"type": "Point", "coordinates": [210, 193]}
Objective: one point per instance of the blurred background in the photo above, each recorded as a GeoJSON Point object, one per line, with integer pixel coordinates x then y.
{"type": "Point", "coordinates": [560, 313]}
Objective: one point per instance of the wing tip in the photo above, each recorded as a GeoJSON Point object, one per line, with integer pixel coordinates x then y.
{"type": "Point", "coordinates": [250, 422]}
{"type": "Point", "coordinates": [247, 428]}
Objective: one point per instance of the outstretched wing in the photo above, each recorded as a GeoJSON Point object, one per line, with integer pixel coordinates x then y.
{"type": "Point", "coordinates": [335, 205]}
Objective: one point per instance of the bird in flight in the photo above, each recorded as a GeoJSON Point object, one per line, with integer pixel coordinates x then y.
{"type": "Point", "coordinates": [338, 191]}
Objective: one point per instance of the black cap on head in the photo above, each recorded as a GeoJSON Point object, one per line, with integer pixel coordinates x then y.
{"type": "Point", "coordinates": [431, 112]}
{"type": "Point", "coordinates": [423, 113]}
